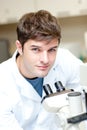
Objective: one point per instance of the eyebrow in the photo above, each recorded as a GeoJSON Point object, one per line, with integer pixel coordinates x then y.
{"type": "Point", "coordinates": [41, 47]}
{"type": "Point", "coordinates": [35, 46]}
{"type": "Point", "coordinates": [54, 47]}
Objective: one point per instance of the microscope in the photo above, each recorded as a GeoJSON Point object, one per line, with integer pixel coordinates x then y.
{"type": "Point", "coordinates": [67, 104]}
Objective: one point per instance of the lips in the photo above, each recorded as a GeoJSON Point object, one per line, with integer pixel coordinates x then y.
{"type": "Point", "coordinates": [43, 67]}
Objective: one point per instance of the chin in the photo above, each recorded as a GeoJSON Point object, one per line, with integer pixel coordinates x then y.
{"type": "Point", "coordinates": [43, 75]}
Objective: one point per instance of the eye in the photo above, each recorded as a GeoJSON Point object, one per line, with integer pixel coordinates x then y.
{"type": "Point", "coordinates": [53, 50]}
{"type": "Point", "coordinates": [35, 49]}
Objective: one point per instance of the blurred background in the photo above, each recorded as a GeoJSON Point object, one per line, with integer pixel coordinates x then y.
{"type": "Point", "coordinates": [72, 15]}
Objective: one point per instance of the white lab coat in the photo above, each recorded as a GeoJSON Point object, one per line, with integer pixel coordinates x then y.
{"type": "Point", "coordinates": [20, 104]}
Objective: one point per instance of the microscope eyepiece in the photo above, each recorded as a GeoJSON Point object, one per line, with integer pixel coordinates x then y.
{"type": "Point", "coordinates": [59, 86]}
{"type": "Point", "coordinates": [47, 89]}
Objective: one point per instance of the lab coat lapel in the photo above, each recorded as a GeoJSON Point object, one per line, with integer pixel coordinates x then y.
{"type": "Point", "coordinates": [51, 77]}
{"type": "Point", "coordinates": [24, 87]}
{"type": "Point", "coordinates": [27, 90]}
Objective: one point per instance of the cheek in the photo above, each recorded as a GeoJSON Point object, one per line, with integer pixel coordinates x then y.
{"type": "Point", "coordinates": [30, 59]}
{"type": "Point", "coordinates": [52, 58]}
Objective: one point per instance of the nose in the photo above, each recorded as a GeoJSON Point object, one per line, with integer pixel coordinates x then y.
{"type": "Point", "coordinates": [44, 57]}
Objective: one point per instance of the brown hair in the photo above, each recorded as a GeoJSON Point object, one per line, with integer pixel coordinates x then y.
{"type": "Point", "coordinates": [40, 25]}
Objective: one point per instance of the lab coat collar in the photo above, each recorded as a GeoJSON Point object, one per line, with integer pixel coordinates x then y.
{"type": "Point", "coordinates": [23, 86]}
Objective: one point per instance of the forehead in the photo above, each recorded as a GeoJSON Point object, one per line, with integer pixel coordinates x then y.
{"type": "Point", "coordinates": [32, 43]}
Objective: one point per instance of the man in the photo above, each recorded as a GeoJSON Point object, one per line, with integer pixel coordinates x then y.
{"type": "Point", "coordinates": [35, 63]}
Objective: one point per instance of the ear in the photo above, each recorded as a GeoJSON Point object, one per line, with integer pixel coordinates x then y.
{"type": "Point", "coordinates": [19, 47]}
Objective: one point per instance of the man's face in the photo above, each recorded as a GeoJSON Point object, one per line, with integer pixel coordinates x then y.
{"type": "Point", "coordinates": [37, 58]}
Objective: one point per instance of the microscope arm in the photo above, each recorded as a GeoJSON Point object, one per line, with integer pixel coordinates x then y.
{"type": "Point", "coordinates": [77, 119]}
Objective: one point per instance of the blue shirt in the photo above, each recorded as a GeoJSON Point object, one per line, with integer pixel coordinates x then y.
{"type": "Point", "coordinates": [37, 83]}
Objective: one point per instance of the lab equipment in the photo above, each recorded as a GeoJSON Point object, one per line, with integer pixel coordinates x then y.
{"type": "Point", "coordinates": [67, 104]}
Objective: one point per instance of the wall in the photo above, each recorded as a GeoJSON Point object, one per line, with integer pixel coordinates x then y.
{"type": "Point", "coordinates": [73, 30]}
{"type": "Point", "coordinates": [8, 31]}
